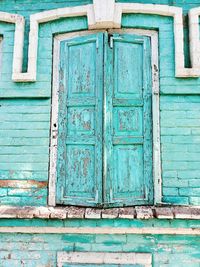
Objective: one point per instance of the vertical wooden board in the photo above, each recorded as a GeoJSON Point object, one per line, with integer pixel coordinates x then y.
{"type": "Point", "coordinates": [129, 149]}
{"type": "Point", "coordinates": [79, 165]}
{"type": "Point", "coordinates": [107, 122]}
{"type": "Point", "coordinates": [148, 122]}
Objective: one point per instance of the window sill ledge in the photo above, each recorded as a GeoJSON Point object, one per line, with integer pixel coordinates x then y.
{"type": "Point", "coordinates": [137, 212]}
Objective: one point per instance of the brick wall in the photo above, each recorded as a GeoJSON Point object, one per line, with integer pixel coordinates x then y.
{"type": "Point", "coordinates": [25, 111]}
{"type": "Point", "coordinates": [40, 250]}
{"type": "Point", "coordinates": [180, 121]}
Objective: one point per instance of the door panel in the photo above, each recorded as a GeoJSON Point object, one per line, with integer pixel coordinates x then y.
{"type": "Point", "coordinates": [82, 68]}
{"type": "Point", "coordinates": [128, 78]}
{"type": "Point", "coordinates": [80, 121]}
{"type": "Point", "coordinates": [127, 182]}
{"type": "Point", "coordinates": [128, 131]}
{"type": "Point", "coordinates": [127, 121]}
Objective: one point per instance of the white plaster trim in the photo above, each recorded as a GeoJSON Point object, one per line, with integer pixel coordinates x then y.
{"type": "Point", "coordinates": [43, 17]}
{"type": "Point", "coordinates": [54, 126]}
{"type": "Point", "coordinates": [155, 110]}
{"type": "Point", "coordinates": [18, 38]}
{"type": "Point", "coordinates": [100, 230]}
{"type": "Point", "coordinates": [145, 259]}
{"type": "Point", "coordinates": [177, 14]}
{"type": "Point", "coordinates": [104, 14]}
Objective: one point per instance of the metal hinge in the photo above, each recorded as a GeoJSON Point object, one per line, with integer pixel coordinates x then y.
{"type": "Point", "coordinates": [110, 40]}
{"type": "Point", "coordinates": [111, 195]}
{"type": "Point", "coordinates": [97, 43]}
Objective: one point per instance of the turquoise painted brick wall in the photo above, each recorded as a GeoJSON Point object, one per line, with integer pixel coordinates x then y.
{"type": "Point", "coordinates": [25, 109]}
{"type": "Point", "coordinates": [180, 149]}
{"type": "Point", "coordinates": [40, 250]}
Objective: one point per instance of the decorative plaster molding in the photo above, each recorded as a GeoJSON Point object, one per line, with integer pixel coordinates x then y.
{"type": "Point", "coordinates": [18, 39]}
{"type": "Point", "coordinates": [104, 14]}
{"type": "Point", "coordinates": [176, 13]}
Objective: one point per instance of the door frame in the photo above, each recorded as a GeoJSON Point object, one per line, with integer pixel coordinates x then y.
{"type": "Point", "coordinates": [153, 35]}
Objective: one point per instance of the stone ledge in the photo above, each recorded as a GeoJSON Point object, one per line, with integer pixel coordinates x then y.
{"type": "Point", "coordinates": [137, 212]}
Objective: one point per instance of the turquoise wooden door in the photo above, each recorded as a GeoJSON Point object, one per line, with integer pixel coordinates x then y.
{"type": "Point", "coordinates": [128, 123]}
{"type": "Point", "coordinates": [105, 122]}
{"type": "Point", "coordinates": [79, 164]}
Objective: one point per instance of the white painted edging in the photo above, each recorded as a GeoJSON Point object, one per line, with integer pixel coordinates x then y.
{"type": "Point", "coordinates": [104, 14]}
{"type": "Point", "coordinates": [18, 39]}
{"type": "Point", "coordinates": [145, 259]}
{"type": "Point", "coordinates": [155, 110]}
{"type": "Point", "coordinates": [101, 230]}
{"type": "Point", "coordinates": [177, 14]}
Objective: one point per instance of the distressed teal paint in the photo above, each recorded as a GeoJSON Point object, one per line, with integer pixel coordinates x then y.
{"type": "Point", "coordinates": [24, 146]}
{"type": "Point", "coordinates": [80, 121]}
{"type": "Point", "coordinates": [127, 133]}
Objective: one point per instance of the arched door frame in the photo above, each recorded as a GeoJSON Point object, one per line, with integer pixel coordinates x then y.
{"type": "Point", "coordinates": [153, 35]}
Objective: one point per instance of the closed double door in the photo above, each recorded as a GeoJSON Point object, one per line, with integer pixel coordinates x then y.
{"type": "Point", "coordinates": [104, 154]}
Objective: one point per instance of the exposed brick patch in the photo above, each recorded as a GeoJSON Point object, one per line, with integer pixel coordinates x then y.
{"type": "Point", "coordinates": [163, 213]}
{"type": "Point", "coordinates": [42, 212]}
{"type": "Point", "coordinates": [127, 213]}
{"type": "Point", "coordinates": [138, 212]}
{"type": "Point", "coordinates": [25, 212]}
{"type": "Point", "coordinates": [58, 213]}
{"type": "Point", "coordinates": [75, 212]}
{"type": "Point", "coordinates": [110, 213]}
{"type": "Point", "coordinates": [22, 183]}
{"type": "Point", "coordinates": [9, 212]}
{"type": "Point", "coordinates": [186, 213]}
{"type": "Point", "coordinates": [93, 213]}
{"type": "Point", "coordinates": [144, 212]}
